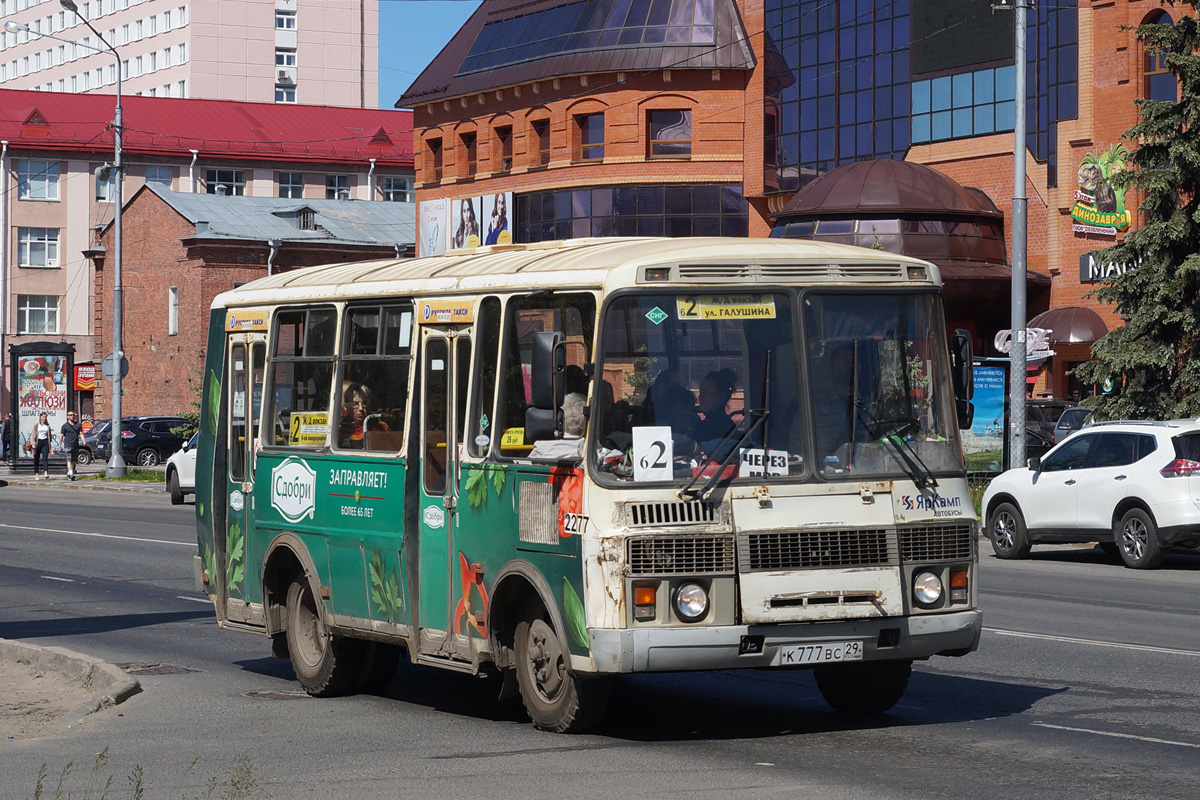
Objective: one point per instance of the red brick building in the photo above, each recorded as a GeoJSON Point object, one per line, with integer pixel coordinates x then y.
{"type": "Point", "coordinates": [693, 117]}
{"type": "Point", "coordinates": [181, 250]}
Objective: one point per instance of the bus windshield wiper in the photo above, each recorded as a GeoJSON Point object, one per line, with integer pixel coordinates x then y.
{"type": "Point", "coordinates": [892, 432]}
{"type": "Point", "coordinates": [758, 417]}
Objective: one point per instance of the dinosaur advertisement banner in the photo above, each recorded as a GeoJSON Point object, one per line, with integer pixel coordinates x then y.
{"type": "Point", "coordinates": [1099, 207]}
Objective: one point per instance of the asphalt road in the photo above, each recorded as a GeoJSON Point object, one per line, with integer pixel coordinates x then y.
{"type": "Point", "coordinates": [1087, 684]}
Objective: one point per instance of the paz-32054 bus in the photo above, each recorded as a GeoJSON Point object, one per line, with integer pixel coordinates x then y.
{"type": "Point", "coordinates": [571, 460]}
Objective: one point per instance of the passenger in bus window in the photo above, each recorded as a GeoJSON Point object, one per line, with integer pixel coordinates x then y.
{"type": "Point", "coordinates": [715, 391]}
{"type": "Point", "coordinates": [357, 407]}
{"type": "Point", "coordinates": [570, 446]}
{"type": "Point", "coordinates": [676, 407]}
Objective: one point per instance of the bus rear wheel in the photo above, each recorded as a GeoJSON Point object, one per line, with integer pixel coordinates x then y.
{"type": "Point", "coordinates": [555, 699]}
{"type": "Point", "coordinates": [863, 688]}
{"type": "Point", "coordinates": [326, 665]}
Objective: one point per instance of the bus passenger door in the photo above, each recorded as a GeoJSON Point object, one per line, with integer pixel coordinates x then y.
{"type": "Point", "coordinates": [244, 385]}
{"type": "Point", "coordinates": [445, 366]}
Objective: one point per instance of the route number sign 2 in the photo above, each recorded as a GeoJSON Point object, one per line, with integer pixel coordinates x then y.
{"type": "Point", "coordinates": [653, 452]}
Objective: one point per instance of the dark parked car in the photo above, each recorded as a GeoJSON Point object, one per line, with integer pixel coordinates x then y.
{"type": "Point", "coordinates": [1041, 414]}
{"type": "Point", "coordinates": [1070, 421]}
{"type": "Point", "coordinates": [146, 441]}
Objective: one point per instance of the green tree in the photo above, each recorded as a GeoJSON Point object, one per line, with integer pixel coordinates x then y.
{"type": "Point", "coordinates": [1153, 361]}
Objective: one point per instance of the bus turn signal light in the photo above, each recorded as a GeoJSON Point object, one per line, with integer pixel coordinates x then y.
{"type": "Point", "coordinates": [958, 586]}
{"type": "Point", "coordinates": [645, 603]}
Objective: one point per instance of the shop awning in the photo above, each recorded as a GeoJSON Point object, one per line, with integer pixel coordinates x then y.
{"type": "Point", "coordinates": [1071, 325]}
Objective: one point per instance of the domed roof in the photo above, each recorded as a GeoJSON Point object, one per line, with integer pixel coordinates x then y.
{"type": "Point", "coordinates": [870, 188]}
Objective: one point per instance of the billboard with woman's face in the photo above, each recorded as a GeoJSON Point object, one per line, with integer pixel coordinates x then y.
{"type": "Point", "coordinates": [497, 218]}
{"type": "Point", "coordinates": [41, 388]}
{"type": "Point", "coordinates": [464, 222]}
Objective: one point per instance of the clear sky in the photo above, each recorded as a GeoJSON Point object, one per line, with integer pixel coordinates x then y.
{"type": "Point", "coordinates": [411, 33]}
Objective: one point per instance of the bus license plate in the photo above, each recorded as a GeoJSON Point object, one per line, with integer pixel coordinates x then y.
{"type": "Point", "coordinates": [820, 653]}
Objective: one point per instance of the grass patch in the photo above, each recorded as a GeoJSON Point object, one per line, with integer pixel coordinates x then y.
{"type": "Point", "coordinates": [136, 474]}
{"type": "Point", "coordinates": [985, 460]}
{"type": "Point", "coordinates": [240, 784]}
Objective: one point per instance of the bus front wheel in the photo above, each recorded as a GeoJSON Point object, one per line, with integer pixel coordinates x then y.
{"type": "Point", "coordinates": [866, 687]}
{"type": "Point", "coordinates": [555, 699]}
{"type": "Point", "coordinates": [326, 665]}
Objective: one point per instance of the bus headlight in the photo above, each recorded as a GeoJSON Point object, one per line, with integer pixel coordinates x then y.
{"type": "Point", "coordinates": [690, 601]}
{"type": "Point", "coordinates": [927, 589]}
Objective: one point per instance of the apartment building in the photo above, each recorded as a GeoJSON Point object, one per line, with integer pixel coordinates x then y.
{"type": "Point", "coordinates": [53, 206]}
{"type": "Point", "coordinates": [316, 52]}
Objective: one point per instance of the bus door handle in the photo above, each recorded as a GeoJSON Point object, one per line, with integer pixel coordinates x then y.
{"type": "Point", "coordinates": [449, 501]}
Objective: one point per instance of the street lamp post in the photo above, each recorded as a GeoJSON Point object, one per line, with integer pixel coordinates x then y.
{"type": "Point", "coordinates": [116, 464]}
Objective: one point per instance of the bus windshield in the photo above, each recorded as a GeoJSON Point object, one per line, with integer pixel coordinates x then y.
{"type": "Point", "coordinates": [688, 379]}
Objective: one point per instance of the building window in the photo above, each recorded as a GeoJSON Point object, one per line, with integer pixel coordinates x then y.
{"type": "Point", "coordinates": [591, 137]}
{"type": "Point", "coordinates": [541, 139]}
{"type": "Point", "coordinates": [285, 58]}
{"type": "Point", "coordinates": [37, 180]}
{"type": "Point", "coordinates": [173, 311]}
{"type": "Point", "coordinates": [966, 104]}
{"type": "Point", "coordinates": [37, 247]}
{"type": "Point", "coordinates": [285, 94]}
{"type": "Point", "coordinates": [37, 313]}
{"type": "Point", "coordinates": [504, 148]}
{"type": "Point", "coordinates": [646, 210]}
{"type": "Point", "coordinates": [1157, 82]}
{"type": "Point", "coordinates": [397, 189]}
{"type": "Point", "coordinates": [435, 158]}
{"type": "Point", "coordinates": [670, 133]}
{"type": "Point", "coordinates": [225, 182]}
{"type": "Point", "coordinates": [470, 154]}
{"type": "Point", "coordinates": [159, 175]}
{"type": "Point", "coordinates": [337, 187]}
{"type": "Point", "coordinates": [106, 190]}
{"type": "Point", "coordinates": [291, 184]}
{"type": "Point", "coordinates": [285, 20]}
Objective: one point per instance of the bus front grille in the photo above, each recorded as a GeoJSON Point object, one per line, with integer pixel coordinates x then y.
{"type": "Point", "coordinates": [937, 542]}
{"type": "Point", "coordinates": [815, 549]}
{"type": "Point", "coordinates": [680, 555]}
{"type": "Point", "coordinates": [645, 515]}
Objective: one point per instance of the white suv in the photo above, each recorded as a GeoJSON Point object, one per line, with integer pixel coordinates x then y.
{"type": "Point", "coordinates": [1134, 487]}
{"type": "Point", "coordinates": [180, 477]}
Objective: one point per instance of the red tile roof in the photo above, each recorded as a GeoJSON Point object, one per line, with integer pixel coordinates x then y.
{"type": "Point", "coordinates": [174, 126]}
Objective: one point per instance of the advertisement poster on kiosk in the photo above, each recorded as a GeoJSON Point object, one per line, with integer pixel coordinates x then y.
{"type": "Point", "coordinates": [42, 386]}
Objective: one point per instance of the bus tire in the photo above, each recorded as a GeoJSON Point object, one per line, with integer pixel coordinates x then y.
{"type": "Point", "coordinates": [863, 688]}
{"type": "Point", "coordinates": [325, 665]}
{"type": "Point", "coordinates": [555, 699]}
{"type": "Point", "coordinates": [379, 662]}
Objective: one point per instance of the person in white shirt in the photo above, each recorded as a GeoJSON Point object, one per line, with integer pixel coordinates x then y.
{"type": "Point", "coordinates": [570, 446]}
{"type": "Point", "coordinates": [41, 446]}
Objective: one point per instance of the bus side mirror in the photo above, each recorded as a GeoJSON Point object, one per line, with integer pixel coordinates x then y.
{"type": "Point", "coordinates": [962, 375]}
{"type": "Point", "coordinates": [547, 378]}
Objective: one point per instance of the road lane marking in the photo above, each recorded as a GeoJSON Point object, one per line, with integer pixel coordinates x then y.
{"type": "Point", "coordinates": [1094, 642]}
{"type": "Point", "coordinates": [1149, 739]}
{"type": "Point", "coordinates": [98, 535]}
{"type": "Point", "coordinates": [52, 578]}
{"type": "Point", "coordinates": [204, 600]}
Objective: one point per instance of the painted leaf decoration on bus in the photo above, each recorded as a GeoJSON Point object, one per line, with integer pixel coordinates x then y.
{"type": "Point", "coordinates": [476, 487]}
{"type": "Point", "coordinates": [212, 403]}
{"type": "Point", "coordinates": [573, 614]}
{"type": "Point", "coordinates": [385, 588]}
{"type": "Point", "coordinates": [235, 569]}
{"type": "Point", "coordinates": [498, 475]}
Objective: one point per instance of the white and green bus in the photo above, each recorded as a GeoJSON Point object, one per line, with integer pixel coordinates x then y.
{"type": "Point", "coordinates": [567, 461]}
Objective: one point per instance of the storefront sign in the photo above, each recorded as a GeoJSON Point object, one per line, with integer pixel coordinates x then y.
{"type": "Point", "coordinates": [1091, 270]}
{"type": "Point", "coordinates": [1037, 343]}
{"type": "Point", "coordinates": [1099, 207]}
{"type": "Point", "coordinates": [85, 378]}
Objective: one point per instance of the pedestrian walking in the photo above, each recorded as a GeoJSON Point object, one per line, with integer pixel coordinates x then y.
{"type": "Point", "coordinates": [6, 432]}
{"type": "Point", "coordinates": [41, 446]}
{"type": "Point", "coordinates": [71, 431]}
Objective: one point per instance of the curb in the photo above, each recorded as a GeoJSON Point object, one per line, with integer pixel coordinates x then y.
{"type": "Point", "coordinates": [110, 686]}
{"type": "Point", "coordinates": [86, 485]}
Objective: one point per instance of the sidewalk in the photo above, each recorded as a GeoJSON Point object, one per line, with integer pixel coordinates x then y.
{"type": "Point", "coordinates": [86, 480]}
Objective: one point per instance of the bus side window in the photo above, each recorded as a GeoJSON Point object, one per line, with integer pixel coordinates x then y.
{"type": "Point", "coordinates": [302, 376]}
{"type": "Point", "coordinates": [373, 390]}
{"type": "Point", "coordinates": [481, 424]}
{"type": "Point", "coordinates": [572, 314]}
